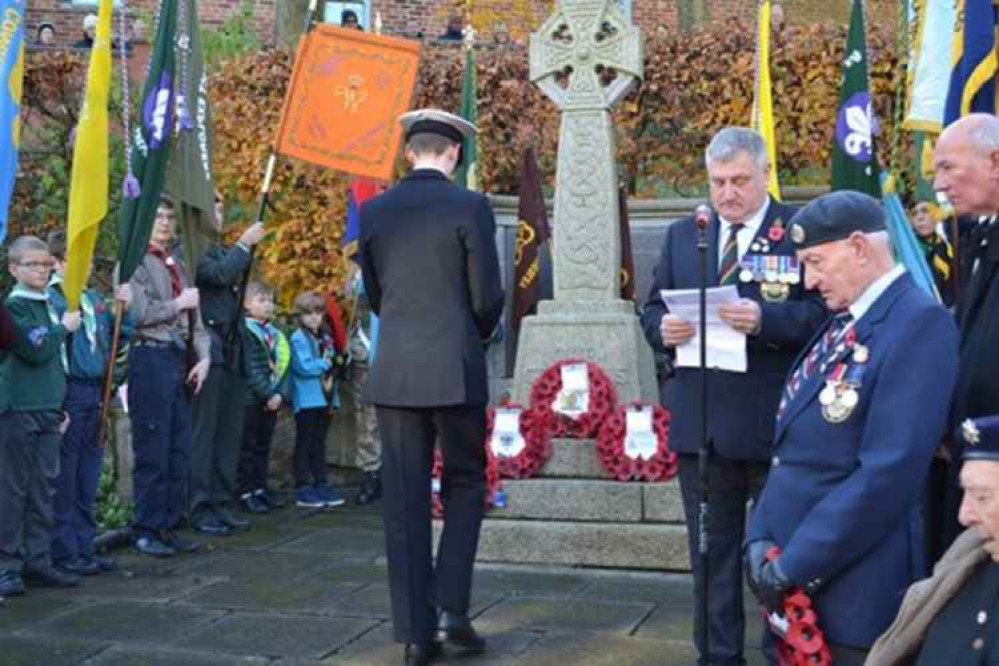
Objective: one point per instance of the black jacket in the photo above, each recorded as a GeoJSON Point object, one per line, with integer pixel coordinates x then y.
{"type": "Point", "coordinates": [220, 273]}
{"type": "Point", "coordinates": [744, 405]}
{"type": "Point", "coordinates": [431, 272]}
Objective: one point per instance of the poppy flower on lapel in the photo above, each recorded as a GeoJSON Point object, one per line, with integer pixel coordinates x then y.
{"type": "Point", "coordinates": [776, 233]}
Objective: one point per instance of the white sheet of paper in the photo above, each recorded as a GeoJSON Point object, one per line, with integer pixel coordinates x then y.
{"type": "Point", "coordinates": [640, 443]}
{"type": "Point", "coordinates": [726, 346]}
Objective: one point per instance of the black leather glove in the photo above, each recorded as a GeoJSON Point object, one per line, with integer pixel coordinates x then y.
{"type": "Point", "coordinates": [773, 586]}
{"type": "Point", "coordinates": [755, 558]}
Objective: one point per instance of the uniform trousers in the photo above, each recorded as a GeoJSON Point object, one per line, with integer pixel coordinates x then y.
{"type": "Point", "coordinates": [369, 446]}
{"type": "Point", "coordinates": [159, 404]}
{"type": "Point", "coordinates": [218, 437]}
{"type": "Point", "coordinates": [81, 457]}
{"type": "Point", "coordinates": [29, 465]}
{"type": "Point", "coordinates": [416, 585]}
{"type": "Point", "coordinates": [732, 484]}
{"type": "Point", "coordinates": [254, 458]}
{"type": "Point", "coordinates": [309, 461]}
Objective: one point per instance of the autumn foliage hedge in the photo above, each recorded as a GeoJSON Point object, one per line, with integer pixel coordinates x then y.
{"type": "Point", "coordinates": [694, 84]}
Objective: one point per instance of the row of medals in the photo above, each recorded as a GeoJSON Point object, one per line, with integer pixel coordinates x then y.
{"type": "Point", "coordinates": [775, 273]}
{"type": "Point", "coordinates": [839, 397]}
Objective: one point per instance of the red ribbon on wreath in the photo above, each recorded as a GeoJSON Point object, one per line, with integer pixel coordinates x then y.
{"type": "Point", "coordinates": [602, 401]}
{"type": "Point", "coordinates": [536, 429]}
{"type": "Point", "coordinates": [662, 466]}
{"type": "Point", "coordinates": [803, 644]}
{"type": "Point", "coordinates": [493, 481]}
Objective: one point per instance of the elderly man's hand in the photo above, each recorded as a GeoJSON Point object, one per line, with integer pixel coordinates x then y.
{"type": "Point", "coordinates": [744, 316]}
{"type": "Point", "coordinates": [675, 330]}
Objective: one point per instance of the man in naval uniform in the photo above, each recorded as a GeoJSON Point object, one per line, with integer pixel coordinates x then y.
{"type": "Point", "coordinates": [431, 272]}
{"type": "Point", "coordinates": [862, 413]}
{"type": "Point", "coordinates": [749, 247]}
{"type": "Point", "coordinates": [953, 616]}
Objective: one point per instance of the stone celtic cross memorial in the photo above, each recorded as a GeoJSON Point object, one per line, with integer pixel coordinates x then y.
{"type": "Point", "coordinates": [586, 57]}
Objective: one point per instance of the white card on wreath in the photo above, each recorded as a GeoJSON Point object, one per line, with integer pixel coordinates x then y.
{"type": "Point", "coordinates": [573, 399]}
{"type": "Point", "coordinates": [640, 442]}
{"type": "Point", "coordinates": [507, 442]}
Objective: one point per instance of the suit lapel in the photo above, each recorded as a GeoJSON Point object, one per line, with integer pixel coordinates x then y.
{"type": "Point", "coordinates": [714, 229]}
{"type": "Point", "coordinates": [863, 330]}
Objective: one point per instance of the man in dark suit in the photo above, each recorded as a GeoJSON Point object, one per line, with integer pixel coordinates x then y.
{"type": "Point", "coordinates": [966, 161]}
{"type": "Point", "coordinates": [218, 409]}
{"type": "Point", "coordinates": [861, 415]}
{"type": "Point", "coordinates": [429, 262]}
{"type": "Point", "coordinates": [778, 318]}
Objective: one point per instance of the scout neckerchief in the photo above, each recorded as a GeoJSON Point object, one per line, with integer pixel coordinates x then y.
{"type": "Point", "coordinates": [21, 291]}
{"type": "Point", "coordinates": [176, 282]}
{"type": "Point", "coordinates": [89, 316]}
{"type": "Point", "coordinates": [278, 351]}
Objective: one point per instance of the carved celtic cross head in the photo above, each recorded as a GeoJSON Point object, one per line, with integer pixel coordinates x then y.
{"type": "Point", "coordinates": [586, 55]}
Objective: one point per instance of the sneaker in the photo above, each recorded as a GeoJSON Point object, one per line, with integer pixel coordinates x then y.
{"type": "Point", "coordinates": [80, 566]}
{"type": "Point", "coordinates": [179, 543]}
{"type": "Point", "coordinates": [371, 489]}
{"type": "Point", "coordinates": [252, 504]}
{"type": "Point", "coordinates": [269, 499]}
{"type": "Point", "coordinates": [104, 563]}
{"type": "Point", "coordinates": [11, 584]}
{"type": "Point", "coordinates": [329, 495]}
{"type": "Point", "coordinates": [306, 496]}
{"type": "Point", "coordinates": [230, 520]}
{"type": "Point", "coordinates": [150, 545]}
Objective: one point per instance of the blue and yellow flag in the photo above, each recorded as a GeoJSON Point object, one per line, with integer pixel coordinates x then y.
{"type": "Point", "coordinates": [88, 188]}
{"type": "Point", "coordinates": [763, 105]}
{"type": "Point", "coordinates": [973, 78]}
{"type": "Point", "coordinates": [11, 78]}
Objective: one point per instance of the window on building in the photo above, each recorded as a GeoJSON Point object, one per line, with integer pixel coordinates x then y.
{"type": "Point", "coordinates": [625, 7]}
{"type": "Point", "coordinates": [333, 11]}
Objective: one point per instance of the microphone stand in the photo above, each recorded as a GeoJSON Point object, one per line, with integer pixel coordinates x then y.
{"type": "Point", "coordinates": [704, 453]}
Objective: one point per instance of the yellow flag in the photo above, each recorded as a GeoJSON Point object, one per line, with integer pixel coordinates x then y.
{"type": "Point", "coordinates": [88, 191]}
{"type": "Point", "coordinates": [763, 106]}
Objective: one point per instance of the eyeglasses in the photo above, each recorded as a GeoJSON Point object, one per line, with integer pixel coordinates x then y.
{"type": "Point", "coordinates": [35, 265]}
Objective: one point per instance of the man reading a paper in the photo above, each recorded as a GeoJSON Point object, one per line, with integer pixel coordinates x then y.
{"type": "Point", "coordinates": [751, 252]}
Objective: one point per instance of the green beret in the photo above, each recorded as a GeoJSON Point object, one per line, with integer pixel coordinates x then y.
{"type": "Point", "coordinates": [835, 216]}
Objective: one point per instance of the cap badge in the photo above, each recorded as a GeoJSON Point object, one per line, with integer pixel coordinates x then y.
{"type": "Point", "coordinates": [797, 234]}
{"type": "Point", "coordinates": [970, 432]}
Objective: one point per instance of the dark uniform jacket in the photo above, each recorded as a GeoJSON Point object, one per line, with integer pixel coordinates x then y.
{"type": "Point", "coordinates": [415, 239]}
{"type": "Point", "coordinates": [8, 329]}
{"type": "Point", "coordinates": [842, 498]}
{"type": "Point", "coordinates": [742, 424]}
{"type": "Point", "coordinates": [218, 278]}
{"type": "Point", "coordinates": [267, 369]}
{"type": "Point", "coordinates": [967, 631]}
{"type": "Point", "coordinates": [32, 377]}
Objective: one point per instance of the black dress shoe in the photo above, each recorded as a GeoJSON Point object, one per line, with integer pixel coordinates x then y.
{"type": "Point", "coordinates": [421, 654]}
{"type": "Point", "coordinates": [150, 545]}
{"type": "Point", "coordinates": [233, 522]}
{"type": "Point", "coordinates": [458, 631]}
{"type": "Point", "coordinates": [252, 504]}
{"type": "Point", "coordinates": [371, 489]}
{"type": "Point", "coordinates": [79, 567]}
{"type": "Point", "coordinates": [11, 584]}
{"type": "Point", "coordinates": [104, 563]}
{"type": "Point", "coordinates": [269, 499]}
{"type": "Point", "coordinates": [179, 543]}
{"type": "Point", "coordinates": [49, 577]}
{"type": "Point", "coordinates": [212, 527]}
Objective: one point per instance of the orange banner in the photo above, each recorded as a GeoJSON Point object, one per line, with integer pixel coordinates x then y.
{"type": "Point", "coordinates": [346, 94]}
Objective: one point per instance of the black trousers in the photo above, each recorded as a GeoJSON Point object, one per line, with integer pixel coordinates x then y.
{"type": "Point", "coordinates": [218, 437]}
{"type": "Point", "coordinates": [417, 587]}
{"type": "Point", "coordinates": [311, 426]}
{"type": "Point", "coordinates": [732, 484]}
{"type": "Point", "coordinates": [258, 431]}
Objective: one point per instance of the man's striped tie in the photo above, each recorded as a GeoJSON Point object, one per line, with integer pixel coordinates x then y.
{"type": "Point", "coordinates": [728, 267]}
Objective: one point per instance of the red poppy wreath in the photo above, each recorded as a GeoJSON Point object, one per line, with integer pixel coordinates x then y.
{"type": "Point", "coordinates": [629, 465]}
{"type": "Point", "coordinates": [536, 429]}
{"type": "Point", "coordinates": [803, 643]}
{"type": "Point", "coordinates": [601, 404]}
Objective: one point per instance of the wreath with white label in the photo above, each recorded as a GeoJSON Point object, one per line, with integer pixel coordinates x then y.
{"type": "Point", "coordinates": [642, 454]}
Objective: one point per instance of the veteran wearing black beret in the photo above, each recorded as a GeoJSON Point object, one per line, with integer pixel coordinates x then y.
{"type": "Point", "coordinates": [431, 272]}
{"type": "Point", "coordinates": [951, 617]}
{"type": "Point", "coordinates": [861, 415]}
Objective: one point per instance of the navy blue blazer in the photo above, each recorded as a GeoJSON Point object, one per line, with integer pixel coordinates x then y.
{"type": "Point", "coordinates": [431, 272]}
{"type": "Point", "coordinates": [841, 500]}
{"type": "Point", "coordinates": [743, 404]}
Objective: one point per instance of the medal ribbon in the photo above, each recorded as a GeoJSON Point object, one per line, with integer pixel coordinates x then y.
{"type": "Point", "coordinates": [837, 327]}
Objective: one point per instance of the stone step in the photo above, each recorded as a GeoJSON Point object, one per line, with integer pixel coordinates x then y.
{"type": "Point", "coordinates": [626, 546]}
{"type": "Point", "coordinates": [590, 501]}
{"type": "Point", "coordinates": [574, 459]}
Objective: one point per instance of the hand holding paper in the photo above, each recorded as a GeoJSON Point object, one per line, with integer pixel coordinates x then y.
{"type": "Point", "coordinates": [726, 346]}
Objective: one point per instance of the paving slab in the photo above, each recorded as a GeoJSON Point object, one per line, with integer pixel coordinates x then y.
{"type": "Point", "coordinates": [278, 635]}
{"type": "Point", "coordinates": [20, 651]}
{"type": "Point", "coordinates": [563, 615]}
{"type": "Point", "coordinates": [512, 581]}
{"type": "Point", "coordinates": [141, 587]}
{"type": "Point", "coordinates": [125, 621]}
{"type": "Point", "coordinates": [19, 612]}
{"type": "Point", "coordinates": [353, 541]}
{"type": "Point", "coordinates": [675, 621]}
{"type": "Point", "coordinates": [242, 565]}
{"type": "Point", "coordinates": [373, 601]}
{"type": "Point", "coordinates": [675, 589]}
{"type": "Point", "coordinates": [264, 595]}
{"type": "Point", "coordinates": [168, 657]}
{"type": "Point", "coordinates": [606, 650]}
{"type": "Point", "coordinates": [342, 570]}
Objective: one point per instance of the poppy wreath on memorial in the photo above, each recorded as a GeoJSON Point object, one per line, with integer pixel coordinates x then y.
{"type": "Point", "coordinates": [804, 644]}
{"type": "Point", "coordinates": [493, 481]}
{"type": "Point", "coordinates": [602, 400]}
{"type": "Point", "coordinates": [536, 429]}
{"type": "Point", "coordinates": [662, 466]}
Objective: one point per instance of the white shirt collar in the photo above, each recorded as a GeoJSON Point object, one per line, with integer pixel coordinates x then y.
{"type": "Point", "coordinates": [418, 166]}
{"type": "Point", "coordinates": [860, 306]}
{"type": "Point", "coordinates": [746, 234]}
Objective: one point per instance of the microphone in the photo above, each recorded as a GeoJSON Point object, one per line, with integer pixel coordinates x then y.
{"type": "Point", "coordinates": [702, 216]}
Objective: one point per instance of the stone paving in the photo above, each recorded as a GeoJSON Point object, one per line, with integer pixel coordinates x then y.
{"type": "Point", "coordinates": [309, 588]}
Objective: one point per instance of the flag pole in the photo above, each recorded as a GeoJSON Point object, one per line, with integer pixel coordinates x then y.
{"type": "Point", "coordinates": [119, 313]}
{"type": "Point", "coordinates": [265, 190]}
